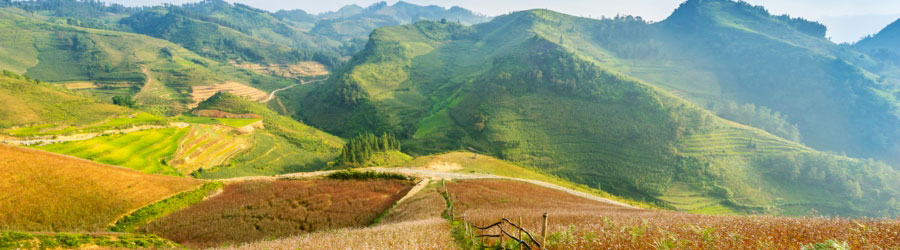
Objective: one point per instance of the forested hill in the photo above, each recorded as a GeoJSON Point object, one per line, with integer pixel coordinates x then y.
{"type": "Point", "coordinates": [542, 89]}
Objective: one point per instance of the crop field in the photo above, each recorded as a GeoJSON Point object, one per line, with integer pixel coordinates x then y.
{"type": "Point", "coordinates": [471, 163]}
{"type": "Point", "coordinates": [300, 69]}
{"type": "Point", "coordinates": [120, 122]}
{"type": "Point", "coordinates": [51, 193]}
{"type": "Point", "coordinates": [257, 210]}
{"type": "Point", "coordinates": [145, 150]}
{"type": "Point", "coordinates": [417, 234]}
{"type": "Point", "coordinates": [427, 204]}
{"type": "Point", "coordinates": [207, 146]}
{"type": "Point", "coordinates": [201, 93]}
{"type": "Point", "coordinates": [734, 141]}
{"type": "Point", "coordinates": [268, 155]}
{"type": "Point", "coordinates": [583, 224]}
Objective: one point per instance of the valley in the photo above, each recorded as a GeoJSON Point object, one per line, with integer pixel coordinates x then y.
{"type": "Point", "coordinates": [219, 125]}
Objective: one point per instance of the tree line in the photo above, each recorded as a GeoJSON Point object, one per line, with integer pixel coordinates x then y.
{"type": "Point", "coordinates": [362, 147]}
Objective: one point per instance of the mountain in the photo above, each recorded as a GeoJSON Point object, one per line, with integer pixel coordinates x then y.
{"type": "Point", "coordinates": [355, 22]}
{"type": "Point", "coordinates": [159, 75]}
{"type": "Point", "coordinates": [884, 44]}
{"type": "Point", "coordinates": [534, 87]}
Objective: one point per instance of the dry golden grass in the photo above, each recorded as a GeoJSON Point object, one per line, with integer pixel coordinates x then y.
{"type": "Point", "coordinates": [49, 192]}
{"type": "Point", "coordinates": [256, 210]}
{"type": "Point", "coordinates": [427, 204]}
{"type": "Point", "coordinates": [577, 223]}
{"type": "Point", "coordinates": [418, 234]}
{"type": "Point", "coordinates": [201, 93]}
{"type": "Point", "coordinates": [309, 68]}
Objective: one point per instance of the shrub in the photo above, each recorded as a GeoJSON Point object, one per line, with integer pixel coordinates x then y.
{"type": "Point", "coordinates": [365, 175]}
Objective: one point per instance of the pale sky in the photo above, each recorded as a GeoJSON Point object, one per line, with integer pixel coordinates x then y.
{"type": "Point", "coordinates": [820, 10]}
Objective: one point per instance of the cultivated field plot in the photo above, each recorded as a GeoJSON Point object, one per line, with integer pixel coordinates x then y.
{"type": "Point", "coordinates": [50, 193]}
{"type": "Point", "coordinates": [583, 224]}
{"type": "Point", "coordinates": [201, 93]}
{"type": "Point", "coordinates": [251, 211]}
{"type": "Point", "coordinates": [143, 150]}
{"type": "Point", "coordinates": [206, 146]}
{"type": "Point", "coordinates": [415, 223]}
{"type": "Point", "coordinates": [287, 70]}
{"type": "Point", "coordinates": [419, 234]}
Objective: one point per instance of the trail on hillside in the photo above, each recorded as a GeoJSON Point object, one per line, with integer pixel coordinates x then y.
{"type": "Point", "coordinates": [272, 95]}
{"type": "Point", "coordinates": [433, 174]}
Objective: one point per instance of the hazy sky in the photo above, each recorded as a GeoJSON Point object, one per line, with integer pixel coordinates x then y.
{"type": "Point", "coordinates": [824, 10]}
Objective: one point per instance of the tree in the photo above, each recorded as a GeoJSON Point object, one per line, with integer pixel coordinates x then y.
{"type": "Point", "coordinates": [124, 101]}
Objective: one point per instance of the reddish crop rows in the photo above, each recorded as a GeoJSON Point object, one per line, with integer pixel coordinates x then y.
{"type": "Point", "coordinates": [256, 210]}
{"type": "Point", "coordinates": [580, 223]}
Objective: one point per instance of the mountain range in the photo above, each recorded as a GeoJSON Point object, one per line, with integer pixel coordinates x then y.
{"type": "Point", "coordinates": [720, 108]}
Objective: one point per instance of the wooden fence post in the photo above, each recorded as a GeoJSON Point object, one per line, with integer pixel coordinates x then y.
{"type": "Point", "coordinates": [500, 227]}
{"type": "Point", "coordinates": [544, 233]}
{"type": "Point", "coordinates": [520, 232]}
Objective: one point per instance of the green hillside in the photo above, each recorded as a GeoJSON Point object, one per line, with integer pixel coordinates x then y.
{"type": "Point", "coordinates": [24, 101]}
{"type": "Point", "coordinates": [517, 89]}
{"type": "Point", "coordinates": [157, 73]}
{"type": "Point", "coordinates": [284, 146]}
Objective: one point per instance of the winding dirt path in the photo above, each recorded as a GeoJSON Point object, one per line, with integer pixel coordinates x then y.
{"type": "Point", "coordinates": [434, 174]}
{"type": "Point", "coordinates": [272, 95]}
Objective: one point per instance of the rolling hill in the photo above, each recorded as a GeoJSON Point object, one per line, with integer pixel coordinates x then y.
{"type": "Point", "coordinates": [24, 101]}
{"type": "Point", "coordinates": [157, 73]}
{"type": "Point", "coordinates": [354, 22]}
{"type": "Point", "coordinates": [524, 89]}
{"type": "Point", "coordinates": [55, 193]}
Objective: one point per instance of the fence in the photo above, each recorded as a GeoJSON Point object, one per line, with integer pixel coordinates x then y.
{"type": "Point", "coordinates": [523, 238]}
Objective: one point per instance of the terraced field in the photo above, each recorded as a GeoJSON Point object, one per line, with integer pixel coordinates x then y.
{"type": "Point", "coordinates": [269, 155]}
{"type": "Point", "coordinates": [145, 151]}
{"type": "Point", "coordinates": [735, 141]}
{"type": "Point", "coordinates": [206, 146]}
{"type": "Point", "coordinates": [201, 93]}
{"type": "Point", "coordinates": [50, 193]}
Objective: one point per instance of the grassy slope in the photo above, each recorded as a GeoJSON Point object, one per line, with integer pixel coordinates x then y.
{"type": "Point", "coordinates": [23, 102]}
{"type": "Point", "coordinates": [571, 118]}
{"type": "Point", "coordinates": [145, 151]}
{"type": "Point", "coordinates": [284, 146]}
{"type": "Point", "coordinates": [48, 192]}
{"type": "Point", "coordinates": [57, 53]}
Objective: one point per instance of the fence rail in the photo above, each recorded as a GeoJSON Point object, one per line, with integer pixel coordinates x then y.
{"type": "Point", "coordinates": [524, 238]}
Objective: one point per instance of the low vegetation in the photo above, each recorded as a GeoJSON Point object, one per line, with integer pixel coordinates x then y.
{"type": "Point", "coordinates": [269, 155]}
{"type": "Point", "coordinates": [365, 175]}
{"type": "Point", "coordinates": [144, 215]}
{"type": "Point", "coordinates": [19, 240]}
{"type": "Point", "coordinates": [257, 210]}
{"type": "Point", "coordinates": [55, 193]}
{"type": "Point", "coordinates": [24, 101]}
{"type": "Point", "coordinates": [360, 149]}
{"type": "Point", "coordinates": [416, 234]}
{"type": "Point", "coordinates": [575, 222]}
{"type": "Point", "coordinates": [146, 151]}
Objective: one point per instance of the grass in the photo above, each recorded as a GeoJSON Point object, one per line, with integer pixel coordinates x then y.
{"type": "Point", "coordinates": [120, 122]}
{"type": "Point", "coordinates": [268, 155]}
{"type": "Point", "coordinates": [146, 151]}
{"type": "Point", "coordinates": [579, 223]}
{"type": "Point", "coordinates": [206, 147]}
{"type": "Point", "coordinates": [231, 122]}
{"type": "Point", "coordinates": [24, 102]}
{"type": "Point", "coordinates": [472, 163]}
{"type": "Point", "coordinates": [252, 211]}
{"type": "Point", "coordinates": [144, 215]}
{"type": "Point", "coordinates": [19, 240]}
{"type": "Point", "coordinates": [365, 175]}
{"type": "Point", "coordinates": [415, 234]}
{"type": "Point", "coordinates": [54, 193]}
